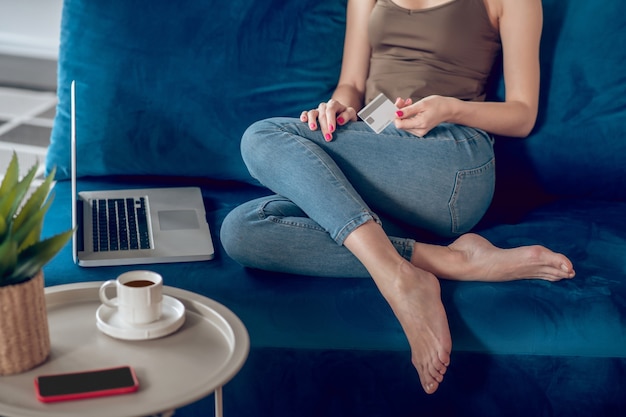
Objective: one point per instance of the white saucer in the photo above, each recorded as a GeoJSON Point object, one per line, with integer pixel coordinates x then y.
{"type": "Point", "coordinates": [172, 317]}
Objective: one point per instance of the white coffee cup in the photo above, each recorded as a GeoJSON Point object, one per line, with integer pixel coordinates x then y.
{"type": "Point", "coordinates": [139, 296]}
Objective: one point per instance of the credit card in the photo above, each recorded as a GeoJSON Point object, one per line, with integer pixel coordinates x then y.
{"type": "Point", "coordinates": [379, 113]}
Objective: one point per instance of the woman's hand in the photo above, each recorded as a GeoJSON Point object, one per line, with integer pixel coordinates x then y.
{"type": "Point", "coordinates": [421, 117]}
{"type": "Point", "coordinates": [328, 116]}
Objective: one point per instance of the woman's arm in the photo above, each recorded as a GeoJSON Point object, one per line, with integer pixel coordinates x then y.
{"type": "Point", "coordinates": [356, 55]}
{"type": "Point", "coordinates": [520, 24]}
{"type": "Point", "coordinates": [347, 98]}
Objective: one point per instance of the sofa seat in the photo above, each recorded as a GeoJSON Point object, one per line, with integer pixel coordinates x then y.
{"type": "Point", "coordinates": [546, 346]}
{"type": "Point", "coordinates": [166, 88]}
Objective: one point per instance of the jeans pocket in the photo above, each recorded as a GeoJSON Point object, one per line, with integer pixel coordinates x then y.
{"type": "Point", "coordinates": [471, 197]}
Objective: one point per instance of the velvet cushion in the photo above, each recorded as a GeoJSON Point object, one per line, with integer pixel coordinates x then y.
{"type": "Point", "coordinates": [168, 87]}
{"type": "Point", "coordinates": [578, 146]}
{"type": "Point", "coordinates": [332, 347]}
{"type": "Point", "coordinates": [579, 317]}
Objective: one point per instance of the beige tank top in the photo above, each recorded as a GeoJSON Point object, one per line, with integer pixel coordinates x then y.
{"type": "Point", "coordinates": [447, 50]}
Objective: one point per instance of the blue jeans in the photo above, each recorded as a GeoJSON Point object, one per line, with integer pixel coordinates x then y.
{"type": "Point", "coordinates": [442, 183]}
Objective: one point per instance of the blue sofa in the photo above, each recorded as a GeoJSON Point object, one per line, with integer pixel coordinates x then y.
{"type": "Point", "coordinates": [168, 87]}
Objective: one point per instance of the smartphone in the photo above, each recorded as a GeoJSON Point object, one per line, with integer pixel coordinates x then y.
{"type": "Point", "coordinates": [86, 384]}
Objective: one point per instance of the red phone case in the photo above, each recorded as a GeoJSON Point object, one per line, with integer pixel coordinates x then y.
{"type": "Point", "coordinates": [132, 386]}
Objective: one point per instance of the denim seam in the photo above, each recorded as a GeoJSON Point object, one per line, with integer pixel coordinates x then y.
{"type": "Point", "coordinates": [277, 220]}
{"type": "Point", "coordinates": [330, 171]}
{"type": "Point", "coordinates": [460, 176]}
{"type": "Point", "coordinates": [353, 224]}
{"type": "Point", "coordinates": [476, 134]}
{"type": "Point", "coordinates": [404, 247]}
{"type": "Point", "coordinates": [470, 134]}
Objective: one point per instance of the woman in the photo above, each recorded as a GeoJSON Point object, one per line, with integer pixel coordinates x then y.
{"type": "Point", "coordinates": [432, 168]}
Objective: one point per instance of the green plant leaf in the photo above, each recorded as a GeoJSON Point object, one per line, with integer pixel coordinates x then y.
{"type": "Point", "coordinates": [13, 199]}
{"type": "Point", "coordinates": [22, 253]}
{"type": "Point", "coordinates": [8, 259]}
{"type": "Point", "coordinates": [3, 229]}
{"type": "Point", "coordinates": [35, 201]}
{"type": "Point", "coordinates": [34, 257]}
{"type": "Point", "coordinates": [7, 202]}
{"type": "Point", "coordinates": [11, 176]}
{"type": "Point", "coordinates": [28, 233]}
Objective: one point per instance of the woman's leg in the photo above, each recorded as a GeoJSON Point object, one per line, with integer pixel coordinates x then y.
{"type": "Point", "coordinates": [274, 234]}
{"type": "Point", "coordinates": [442, 183]}
{"type": "Point", "coordinates": [473, 258]}
{"type": "Point", "coordinates": [414, 295]}
{"type": "Point", "coordinates": [419, 180]}
{"type": "Point", "coordinates": [446, 188]}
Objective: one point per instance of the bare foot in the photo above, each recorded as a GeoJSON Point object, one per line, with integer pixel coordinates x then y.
{"type": "Point", "coordinates": [416, 302]}
{"type": "Point", "coordinates": [472, 257]}
{"type": "Point", "coordinates": [415, 298]}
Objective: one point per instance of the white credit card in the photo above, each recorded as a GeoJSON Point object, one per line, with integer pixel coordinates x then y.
{"type": "Point", "coordinates": [379, 113]}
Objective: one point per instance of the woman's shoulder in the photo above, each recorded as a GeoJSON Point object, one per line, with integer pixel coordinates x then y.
{"type": "Point", "coordinates": [496, 9]}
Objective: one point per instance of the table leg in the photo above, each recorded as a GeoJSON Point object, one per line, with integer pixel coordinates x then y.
{"type": "Point", "coordinates": [219, 411]}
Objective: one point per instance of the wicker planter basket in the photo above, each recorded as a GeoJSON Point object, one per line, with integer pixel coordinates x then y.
{"type": "Point", "coordinates": [24, 335]}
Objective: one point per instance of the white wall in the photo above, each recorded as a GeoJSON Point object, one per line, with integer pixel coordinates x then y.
{"type": "Point", "coordinates": [30, 28]}
{"type": "Point", "coordinates": [29, 42]}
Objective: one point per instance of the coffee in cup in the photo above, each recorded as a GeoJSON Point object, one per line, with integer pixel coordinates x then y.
{"type": "Point", "coordinates": [139, 296]}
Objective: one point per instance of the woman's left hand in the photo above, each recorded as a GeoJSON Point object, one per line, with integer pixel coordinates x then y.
{"type": "Point", "coordinates": [420, 117]}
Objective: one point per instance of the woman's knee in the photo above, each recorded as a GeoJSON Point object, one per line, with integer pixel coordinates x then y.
{"type": "Point", "coordinates": [250, 141]}
{"type": "Point", "coordinates": [233, 235]}
{"type": "Point", "coordinates": [256, 143]}
{"type": "Point", "coordinates": [250, 223]}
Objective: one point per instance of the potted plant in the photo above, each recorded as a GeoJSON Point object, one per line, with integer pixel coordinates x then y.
{"type": "Point", "coordinates": [24, 336]}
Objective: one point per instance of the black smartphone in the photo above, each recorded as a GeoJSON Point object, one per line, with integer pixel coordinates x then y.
{"type": "Point", "coordinates": [86, 384]}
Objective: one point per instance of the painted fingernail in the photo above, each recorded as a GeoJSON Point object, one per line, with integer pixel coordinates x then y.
{"type": "Point", "coordinates": [340, 120]}
{"type": "Point", "coordinates": [331, 128]}
{"type": "Point", "coordinates": [312, 125]}
{"type": "Point", "coordinates": [399, 113]}
{"type": "Point", "coordinates": [327, 137]}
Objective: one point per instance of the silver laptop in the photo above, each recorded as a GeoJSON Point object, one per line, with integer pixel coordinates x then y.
{"type": "Point", "coordinates": [136, 226]}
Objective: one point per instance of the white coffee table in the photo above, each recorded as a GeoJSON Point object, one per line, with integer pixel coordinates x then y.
{"type": "Point", "coordinates": [173, 371]}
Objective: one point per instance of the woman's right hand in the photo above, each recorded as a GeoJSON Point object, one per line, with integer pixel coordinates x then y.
{"type": "Point", "coordinates": [327, 116]}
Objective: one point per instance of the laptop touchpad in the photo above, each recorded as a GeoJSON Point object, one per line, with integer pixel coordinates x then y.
{"type": "Point", "coordinates": [178, 220]}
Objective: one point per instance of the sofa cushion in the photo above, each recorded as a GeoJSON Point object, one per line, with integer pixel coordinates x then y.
{"type": "Point", "coordinates": [561, 344]}
{"type": "Point", "coordinates": [148, 106]}
{"type": "Point", "coordinates": [577, 146]}
{"type": "Point", "coordinates": [578, 317]}
{"type": "Point", "coordinates": [169, 87]}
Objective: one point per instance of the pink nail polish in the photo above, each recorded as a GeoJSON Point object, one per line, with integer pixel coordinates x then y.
{"type": "Point", "coordinates": [331, 128]}
{"type": "Point", "coordinates": [327, 137]}
{"type": "Point", "coordinates": [312, 125]}
{"type": "Point", "coordinates": [340, 120]}
{"type": "Point", "coordinates": [399, 113]}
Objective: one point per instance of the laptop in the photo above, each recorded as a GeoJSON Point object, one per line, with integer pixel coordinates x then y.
{"type": "Point", "coordinates": [136, 226]}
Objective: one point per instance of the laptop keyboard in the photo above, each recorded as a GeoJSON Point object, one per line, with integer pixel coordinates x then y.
{"type": "Point", "coordinates": [120, 224]}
